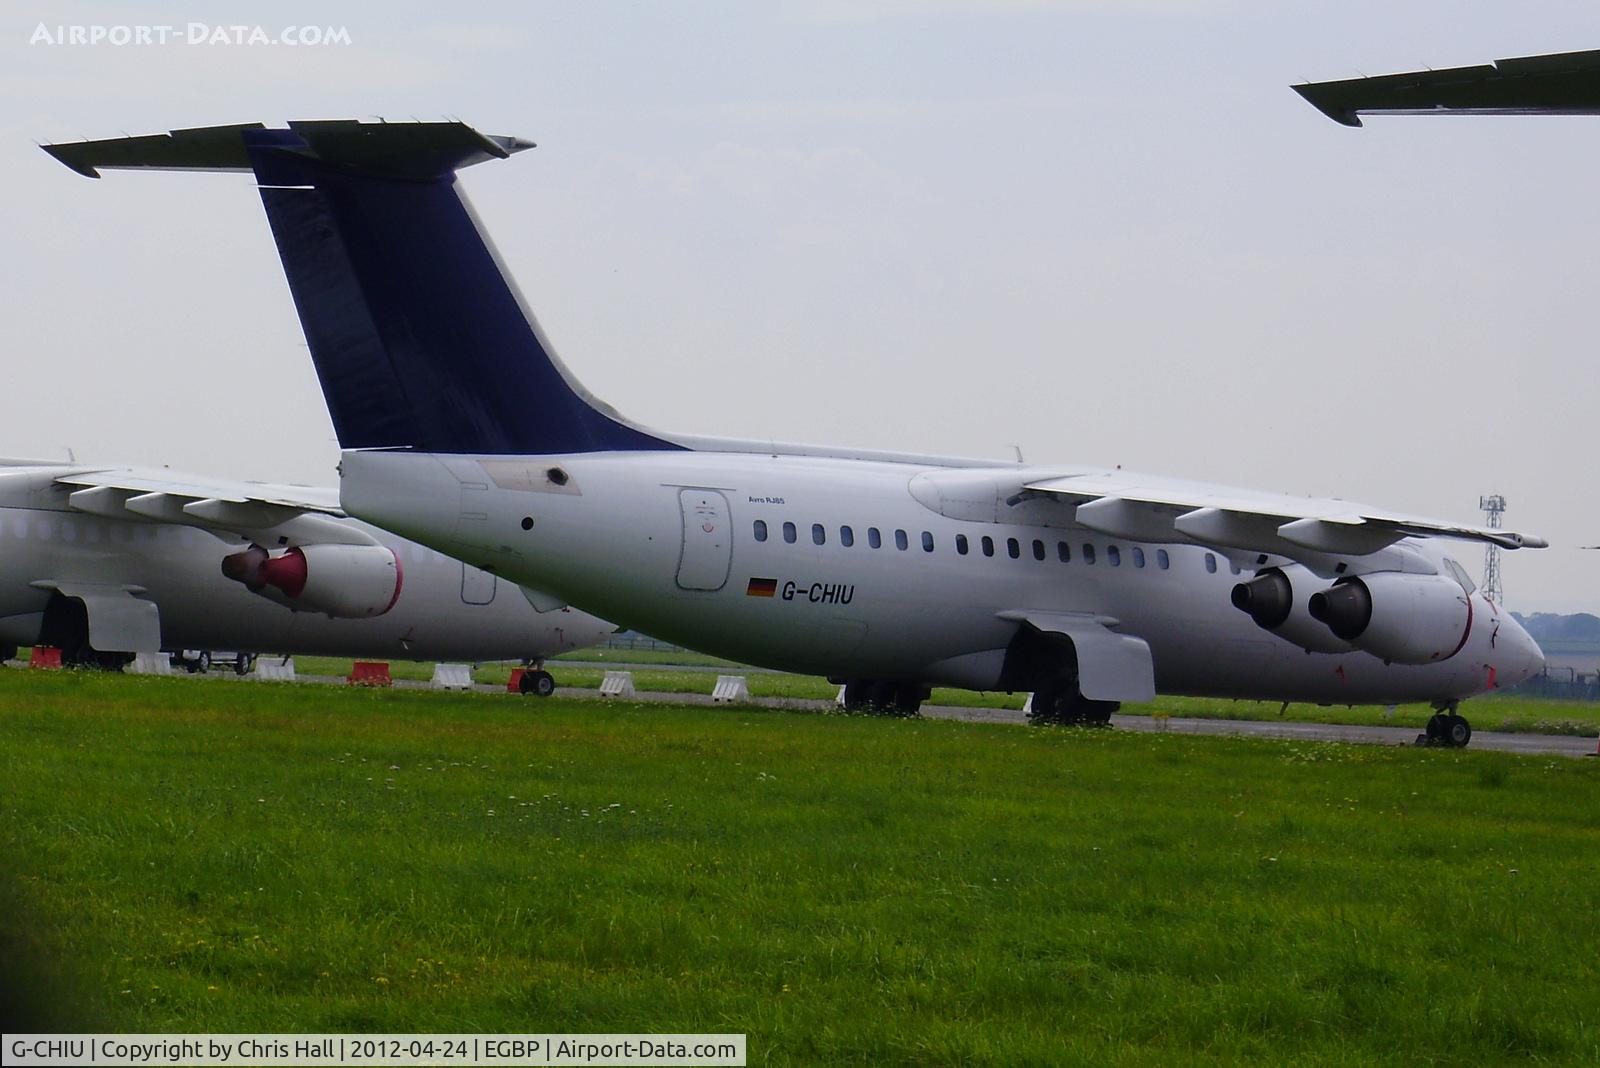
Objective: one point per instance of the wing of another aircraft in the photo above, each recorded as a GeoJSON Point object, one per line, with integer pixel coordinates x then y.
{"type": "Point", "coordinates": [262, 512]}
{"type": "Point", "coordinates": [1141, 507]}
{"type": "Point", "coordinates": [1566, 83]}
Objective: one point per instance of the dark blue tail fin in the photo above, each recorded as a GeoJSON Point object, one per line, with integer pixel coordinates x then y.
{"type": "Point", "coordinates": [419, 337]}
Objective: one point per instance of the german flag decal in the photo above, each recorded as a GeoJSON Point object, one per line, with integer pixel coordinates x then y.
{"type": "Point", "coordinates": [760, 587]}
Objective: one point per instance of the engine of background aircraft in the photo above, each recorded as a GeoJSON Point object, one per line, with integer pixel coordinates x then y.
{"type": "Point", "coordinates": [343, 581]}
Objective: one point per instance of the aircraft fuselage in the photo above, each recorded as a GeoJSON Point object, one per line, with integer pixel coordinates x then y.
{"type": "Point", "coordinates": [853, 568]}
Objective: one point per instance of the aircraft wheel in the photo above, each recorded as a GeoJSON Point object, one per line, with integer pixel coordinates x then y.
{"type": "Point", "coordinates": [856, 694]}
{"type": "Point", "coordinates": [1435, 730]}
{"type": "Point", "coordinates": [881, 698]}
{"type": "Point", "coordinates": [1457, 731]}
{"type": "Point", "coordinates": [908, 700]}
{"type": "Point", "coordinates": [1098, 713]}
{"type": "Point", "coordinates": [537, 683]}
{"type": "Point", "coordinates": [8, 652]}
{"type": "Point", "coordinates": [1046, 708]}
{"type": "Point", "coordinates": [243, 663]}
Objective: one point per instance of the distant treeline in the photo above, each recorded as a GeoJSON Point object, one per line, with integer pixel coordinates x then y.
{"type": "Point", "coordinates": [1552, 627]}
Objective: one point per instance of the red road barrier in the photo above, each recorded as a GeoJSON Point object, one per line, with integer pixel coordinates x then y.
{"type": "Point", "coordinates": [369, 673]}
{"type": "Point", "coordinates": [44, 656]}
{"type": "Point", "coordinates": [514, 685]}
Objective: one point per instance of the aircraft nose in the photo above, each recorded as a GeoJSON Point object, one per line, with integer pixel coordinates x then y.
{"type": "Point", "coordinates": [1524, 658]}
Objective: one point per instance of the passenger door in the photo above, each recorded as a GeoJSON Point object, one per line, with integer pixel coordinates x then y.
{"type": "Point", "coordinates": [707, 552]}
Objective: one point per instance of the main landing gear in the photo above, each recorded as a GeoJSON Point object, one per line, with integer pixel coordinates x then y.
{"type": "Point", "coordinates": [1064, 706]}
{"type": "Point", "coordinates": [1446, 728]}
{"type": "Point", "coordinates": [879, 697]}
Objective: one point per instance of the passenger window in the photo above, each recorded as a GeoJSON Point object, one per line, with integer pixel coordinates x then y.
{"type": "Point", "coordinates": [1063, 552]}
{"type": "Point", "coordinates": [1088, 553]}
{"type": "Point", "coordinates": [1211, 563]}
{"type": "Point", "coordinates": [1113, 556]}
{"type": "Point", "coordinates": [818, 535]}
{"type": "Point", "coordinates": [761, 530]}
{"type": "Point", "coordinates": [1163, 561]}
{"type": "Point", "coordinates": [1235, 568]}
{"type": "Point", "coordinates": [874, 539]}
{"type": "Point", "coordinates": [1038, 549]}
{"type": "Point", "coordinates": [1138, 556]}
{"type": "Point", "coordinates": [900, 540]}
{"type": "Point", "coordinates": [788, 533]}
{"type": "Point", "coordinates": [961, 544]}
{"type": "Point", "coordinates": [927, 542]}
{"type": "Point", "coordinates": [988, 545]}
{"type": "Point", "coordinates": [1013, 549]}
{"type": "Point", "coordinates": [847, 537]}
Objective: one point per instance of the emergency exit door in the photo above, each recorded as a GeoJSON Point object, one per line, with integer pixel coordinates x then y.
{"type": "Point", "coordinates": [707, 552]}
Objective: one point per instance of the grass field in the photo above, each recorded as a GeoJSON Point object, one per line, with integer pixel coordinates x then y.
{"type": "Point", "coordinates": [845, 890]}
{"type": "Point", "coordinates": [1501, 712]}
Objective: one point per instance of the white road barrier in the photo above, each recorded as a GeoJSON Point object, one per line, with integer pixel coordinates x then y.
{"type": "Point", "coordinates": [150, 664]}
{"type": "Point", "coordinates": [617, 684]}
{"type": "Point", "coordinates": [272, 669]}
{"type": "Point", "coordinates": [839, 701]}
{"type": "Point", "coordinates": [730, 689]}
{"type": "Point", "coordinates": [452, 677]}
{"type": "Point", "coordinates": [1027, 706]}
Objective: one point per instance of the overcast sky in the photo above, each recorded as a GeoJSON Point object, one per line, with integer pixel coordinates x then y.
{"type": "Point", "coordinates": [1104, 231]}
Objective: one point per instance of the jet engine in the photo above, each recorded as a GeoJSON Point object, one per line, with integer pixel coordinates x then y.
{"type": "Point", "coordinates": [1276, 599]}
{"type": "Point", "coordinates": [344, 581]}
{"type": "Point", "coordinates": [1400, 617]}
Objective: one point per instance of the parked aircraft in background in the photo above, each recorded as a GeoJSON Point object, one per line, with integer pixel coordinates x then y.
{"type": "Point", "coordinates": [893, 572]}
{"type": "Point", "coordinates": [105, 562]}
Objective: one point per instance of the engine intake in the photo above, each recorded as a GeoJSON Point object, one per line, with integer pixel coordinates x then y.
{"type": "Point", "coordinates": [343, 581]}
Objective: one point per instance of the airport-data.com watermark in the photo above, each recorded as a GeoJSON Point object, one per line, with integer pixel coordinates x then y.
{"type": "Point", "coordinates": [190, 34]}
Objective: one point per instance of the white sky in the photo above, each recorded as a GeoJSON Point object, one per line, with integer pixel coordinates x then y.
{"type": "Point", "coordinates": [1105, 231]}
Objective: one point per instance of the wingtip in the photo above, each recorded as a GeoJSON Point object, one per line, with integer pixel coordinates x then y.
{"type": "Point", "coordinates": [1342, 116]}
{"type": "Point", "coordinates": [59, 154]}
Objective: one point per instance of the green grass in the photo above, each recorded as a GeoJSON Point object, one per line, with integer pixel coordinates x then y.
{"type": "Point", "coordinates": [1535, 715]}
{"type": "Point", "coordinates": [624, 655]}
{"type": "Point", "coordinates": [845, 890]}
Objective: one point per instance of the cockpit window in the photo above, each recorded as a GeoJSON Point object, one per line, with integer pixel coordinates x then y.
{"type": "Point", "coordinates": [1459, 573]}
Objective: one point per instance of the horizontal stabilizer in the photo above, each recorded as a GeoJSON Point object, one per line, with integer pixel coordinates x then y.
{"type": "Point", "coordinates": [1567, 83]}
{"type": "Point", "coordinates": [387, 150]}
{"type": "Point", "coordinates": [419, 337]}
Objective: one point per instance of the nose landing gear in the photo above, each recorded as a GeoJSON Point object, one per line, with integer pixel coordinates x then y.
{"type": "Point", "coordinates": [1446, 728]}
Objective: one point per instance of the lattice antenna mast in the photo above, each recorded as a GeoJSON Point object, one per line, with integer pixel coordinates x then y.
{"type": "Point", "coordinates": [1493, 507]}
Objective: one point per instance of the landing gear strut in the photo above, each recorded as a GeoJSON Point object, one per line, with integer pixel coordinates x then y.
{"type": "Point", "coordinates": [880, 697]}
{"type": "Point", "coordinates": [1446, 727]}
{"type": "Point", "coordinates": [1064, 706]}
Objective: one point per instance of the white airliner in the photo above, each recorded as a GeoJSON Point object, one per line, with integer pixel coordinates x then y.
{"type": "Point", "coordinates": [105, 562]}
{"type": "Point", "coordinates": [462, 430]}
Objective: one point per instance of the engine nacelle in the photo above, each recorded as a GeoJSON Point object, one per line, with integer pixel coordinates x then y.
{"type": "Point", "coordinates": [344, 581]}
{"type": "Point", "coordinates": [1277, 600]}
{"type": "Point", "coordinates": [1403, 618]}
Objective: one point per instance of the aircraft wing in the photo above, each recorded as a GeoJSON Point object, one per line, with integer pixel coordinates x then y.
{"type": "Point", "coordinates": [261, 512]}
{"type": "Point", "coordinates": [1146, 508]}
{"type": "Point", "coordinates": [1567, 83]}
